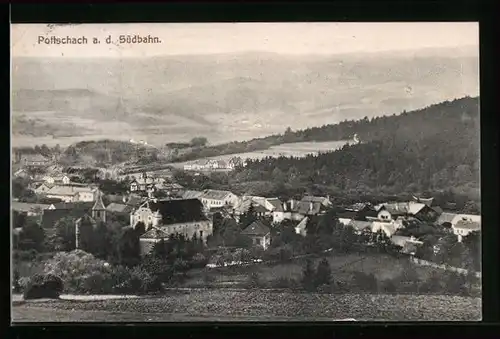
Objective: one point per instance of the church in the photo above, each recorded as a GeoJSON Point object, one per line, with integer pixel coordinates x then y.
{"type": "Point", "coordinates": [97, 214]}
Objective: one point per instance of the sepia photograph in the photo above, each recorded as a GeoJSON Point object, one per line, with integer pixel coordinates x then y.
{"type": "Point", "coordinates": [255, 172]}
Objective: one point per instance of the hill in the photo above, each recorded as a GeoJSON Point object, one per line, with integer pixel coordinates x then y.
{"type": "Point", "coordinates": [231, 97]}
{"type": "Point", "coordinates": [435, 149]}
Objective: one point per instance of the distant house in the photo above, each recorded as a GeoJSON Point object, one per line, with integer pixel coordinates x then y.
{"type": "Point", "coordinates": [389, 228]}
{"type": "Point", "coordinates": [357, 212]}
{"type": "Point", "coordinates": [301, 228]}
{"type": "Point", "coordinates": [408, 245]}
{"type": "Point", "coordinates": [97, 214]}
{"type": "Point", "coordinates": [55, 212]}
{"type": "Point", "coordinates": [259, 233]}
{"type": "Point", "coordinates": [278, 213]}
{"type": "Point", "coordinates": [69, 193]}
{"type": "Point", "coordinates": [170, 217]}
{"type": "Point", "coordinates": [42, 188]}
{"type": "Point", "coordinates": [308, 206]}
{"type": "Point", "coordinates": [22, 173]}
{"type": "Point", "coordinates": [418, 210]}
{"type": "Point", "coordinates": [28, 208]}
{"type": "Point", "coordinates": [360, 226]}
{"type": "Point", "coordinates": [34, 160]}
{"type": "Point", "coordinates": [144, 183]}
{"type": "Point", "coordinates": [463, 225]}
{"type": "Point", "coordinates": [446, 219]}
{"type": "Point", "coordinates": [217, 198]}
{"type": "Point", "coordinates": [59, 179]}
{"type": "Point", "coordinates": [325, 201]}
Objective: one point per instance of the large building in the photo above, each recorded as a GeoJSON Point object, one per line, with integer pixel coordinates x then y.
{"type": "Point", "coordinates": [71, 193]}
{"type": "Point", "coordinates": [163, 218]}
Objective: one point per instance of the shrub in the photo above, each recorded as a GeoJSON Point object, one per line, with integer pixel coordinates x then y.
{"type": "Point", "coordinates": [75, 268]}
{"type": "Point", "coordinates": [366, 282]}
{"type": "Point", "coordinates": [43, 286]}
{"type": "Point", "coordinates": [323, 274]}
{"type": "Point", "coordinates": [283, 282]}
{"type": "Point", "coordinates": [308, 275]}
{"type": "Point", "coordinates": [388, 285]}
{"type": "Point", "coordinates": [254, 281]}
{"type": "Point", "coordinates": [199, 261]}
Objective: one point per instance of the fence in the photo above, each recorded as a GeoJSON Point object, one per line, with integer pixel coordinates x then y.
{"type": "Point", "coordinates": [422, 262]}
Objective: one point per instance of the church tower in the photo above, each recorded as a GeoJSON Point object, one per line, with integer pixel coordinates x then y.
{"type": "Point", "coordinates": [98, 210]}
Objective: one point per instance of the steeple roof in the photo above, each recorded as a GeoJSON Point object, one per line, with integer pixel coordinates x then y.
{"type": "Point", "coordinates": [99, 205]}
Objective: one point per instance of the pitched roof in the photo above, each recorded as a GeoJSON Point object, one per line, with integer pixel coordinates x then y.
{"type": "Point", "coordinates": [68, 190]}
{"type": "Point", "coordinates": [118, 208]}
{"type": "Point", "coordinates": [215, 194]}
{"type": "Point", "coordinates": [178, 211]}
{"type": "Point", "coordinates": [468, 225]}
{"type": "Point", "coordinates": [99, 205]}
{"type": "Point", "coordinates": [27, 207]}
{"type": "Point", "coordinates": [154, 233]}
{"type": "Point", "coordinates": [357, 207]}
{"type": "Point", "coordinates": [87, 205]}
{"type": "Point", "coordinates": [347, 214]}
{"type": "Point", "coordinates": [256, 228]}
{"type": "Point", "coordinates": [305, 207]}
{"type": "Point", "coordinates": [191, 194]}
{"type": "Point", "coordinates": [400, 240]}
{"type": "Point", "coordinates": [302, 224]}
{"type": "Point", "coordinates": [277, 203]}
{"type": "Point", "coordinates": [134, 200]}
{"type": "Point", "coordinates": [50, 217]}
{"type": "Point", "coordinates": [310, 198]}
{"type": "Point", "coordinates": [446, 218]}
{"type": "Point", "coordinates": [414, 208]}
{"type": "Point", "coordinates": [466, 217]}
{"type": "Point", "coordinates": [260, 209]}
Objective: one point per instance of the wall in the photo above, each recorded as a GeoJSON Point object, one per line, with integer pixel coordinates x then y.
{"type": "Point", "coordinates": [422, 262]}
{"type": "Point", "coordinates": [143, 215]}
{"type": "Point", "coordinates": [278, 217]}
{"type": "Point", "coordinates": [84, 196]}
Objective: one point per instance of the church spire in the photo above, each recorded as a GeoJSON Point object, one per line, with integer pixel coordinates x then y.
{"type": "Point", "coordinates": [99, 205]}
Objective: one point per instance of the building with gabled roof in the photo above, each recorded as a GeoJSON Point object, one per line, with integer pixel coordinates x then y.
{"type": "Point", "coordinates": [180, 216]}
{"type": "Point", "coordinates": [217, 198]}
{"type": "Point", "coordinates": [260, 234]}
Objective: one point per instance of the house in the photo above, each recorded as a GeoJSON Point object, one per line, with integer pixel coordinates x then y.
{"type": "Point", "coordinates": [71, 193]}
{"type": "Point", "coordinates": [56, 212]}
{"type": "Point", "coordinates": [28, 208]}
{"type": "Point", "coordinates": [216, 198]}
{"type": "Point", "coordinates": [426, 201]}
{"type": "Point", "coordinates": [34, 160]}
{"type": "Point", "coordinates": [22, 173]}
{"type": "Point", "coordinates": [418, 210]}
{"type": "Point", "coordinates": [408, 244]}
{"type": "Point", "coordinates": [259, 233]}
{"type": "Point", "coordinates": [466, 217]}
{"type": "Point", "coordinates": [446, 219]}
{"type": "Point", "coordinates": [325, 201]}
{"type": "Point", "coordinates": [301, 228]}
{"type": "Point", "coordinates": [41, 188]}
{"type": "Point", "coordinates": [357, 212]}
{"type": "Point", "coordinates": [59, 179]}
{"type": "Point", "coordinates": [464, 227]}
{"type": "Point", "coordinates": [184, 217]}
{"type": "Point", "coordinates": [308, 206]}
{"type": "Point", "coordinates": [278, 212]}
{"type": "Point", "coordinates": [360, 226]}
{"type": "Point", "coordinates": [144, 183]}
{"type": "Point", "coordinates": [389, 228]}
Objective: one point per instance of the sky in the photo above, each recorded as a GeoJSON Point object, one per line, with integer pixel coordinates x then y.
{"type": "Point", "coordinates": [212, 38]}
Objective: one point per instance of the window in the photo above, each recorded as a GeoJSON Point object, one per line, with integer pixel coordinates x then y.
{"type": "Point", "coordinates": [138, 217]}
{"type": "Point", "coordinates": [201, 234]}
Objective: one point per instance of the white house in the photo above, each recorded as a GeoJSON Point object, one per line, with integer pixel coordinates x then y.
{"type": "Point", "coordinates": [464, 227]}
{"type": "Point", "coordinates": [71, 193]}
{"type": "Point", "coordinates": [216, 198]}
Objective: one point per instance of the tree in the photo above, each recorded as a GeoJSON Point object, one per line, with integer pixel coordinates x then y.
{"type": "Point", "coordinates": [308, 276]}
{"type": "Point", "coordinates": [19, 219]}
{"type": "Point", "coordinates": [86, 236]}
{"type": "Point", "coordinates": [32, 236]}
{"type": "Point", "coordinates": [64, 236]}
{"type": "Point", "coordinates": [199, 142]}
{"type": "Point", "coordinates": [323, 273]}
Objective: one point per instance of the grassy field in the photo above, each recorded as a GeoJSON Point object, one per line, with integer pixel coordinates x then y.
{"type": "Point", "coordinates": [298, 149]}
{"type": "Point", "coordinates": [342, 265]}
{"type": "Point", "coordinates": [257, 305]}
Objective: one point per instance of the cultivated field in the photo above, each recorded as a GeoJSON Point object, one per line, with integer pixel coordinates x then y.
{"type": "Point", "coordinates": [298, 149]}
{"type": "Point", "coordinates": [258, 305]}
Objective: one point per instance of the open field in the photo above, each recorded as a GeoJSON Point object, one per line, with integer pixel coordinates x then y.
{"type": "Point", "coordinates": [298, 149]}
{"type": "Point", "coordinates": [257, 305]}
{"type": "Point", "coordinates": [343, 266]}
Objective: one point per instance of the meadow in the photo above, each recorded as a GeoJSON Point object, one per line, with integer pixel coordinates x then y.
{"type": "Point", "coordinates": [298, 149]}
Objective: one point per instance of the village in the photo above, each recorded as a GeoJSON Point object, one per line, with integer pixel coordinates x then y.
{"type": "Point", "coordinates": [166, 208]}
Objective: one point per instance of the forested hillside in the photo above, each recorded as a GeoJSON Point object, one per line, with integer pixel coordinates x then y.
{"type": "Point", "coordinates": [430, 150]}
